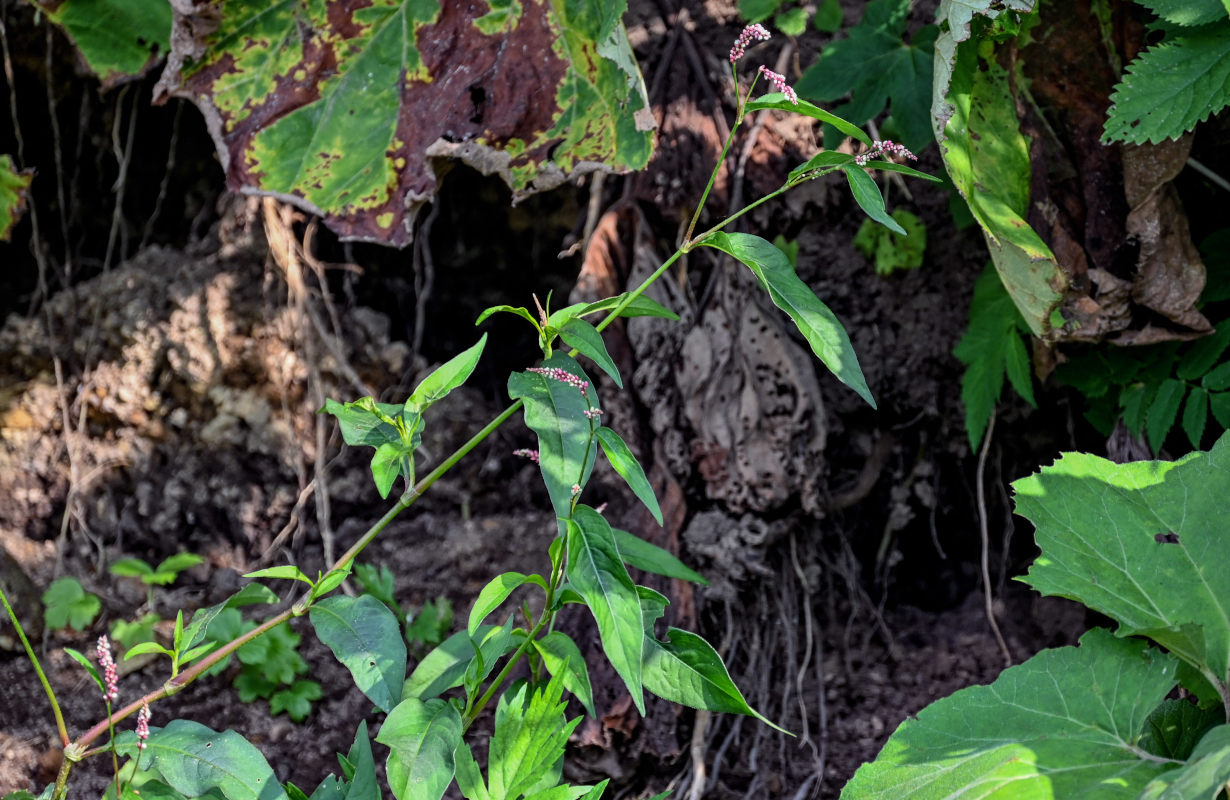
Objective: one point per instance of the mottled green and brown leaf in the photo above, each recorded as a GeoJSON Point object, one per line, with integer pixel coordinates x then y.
{"type": "Point", "coordinates": [14, 195]}
{"type": "Point", "coordinates": [341, 106]}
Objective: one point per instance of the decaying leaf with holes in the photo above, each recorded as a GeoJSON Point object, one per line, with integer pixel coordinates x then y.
{"type": "Point", "coordinates": [344, 107]}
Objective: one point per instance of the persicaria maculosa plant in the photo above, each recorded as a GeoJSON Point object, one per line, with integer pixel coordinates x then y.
{"type": "Point", "coordinates": [518, 660]}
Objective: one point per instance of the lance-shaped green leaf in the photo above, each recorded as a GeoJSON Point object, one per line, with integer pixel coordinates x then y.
{"type": "Point", "coordinates": [598, 574]}
{"type": "Point", "coordinates": [445, 666]}
{"type": "Point", "coordinates": [867, 195]}
{"type": "Point", "coordinates": [1143, 543]}
{"type": "Point", "coordinates": [636, 552]}
{"type": "Point", "coordinates": [496, 592]}
{"type": "Point", "coordinates": [117, 39]}
{"type": "Point", "coordinates": [365, 422]}
{"type": "Point", "coordinates": [825, 159]}
{"type": "Point", "coordinates": [343, 108]}
{"type": "Point", "coordinates": [561, 656]}
{"type": "Point", "coordinates": [445, 378]}
{"type": "Point", "coordinates": [421, 738]}
{"type": "Point", "coordinates": [14, 195]}
{"type": "Point", "coordinates": [529, 739]}
{"type": "Point", "coordinates": [641, 306]}
{"type": "Point", "coordinates": [1066, 723]}
{"type": "Point", "coordinates": [359, 782]}
{"type": "Point", "coordinates": [194, 631]}
{"type": "Point", "coordinates": [365, 637]}
{"type": "Point", "coordinates": [778, 101]}
{"type": "Point", "coordinates": [1205, 775]}
{"type": "Point", "coordinates": [686, 669]}
{"type": "Point", "coordinates": [579, 334]}
{"type": "Point", "coordinates": [819, 326]}
{"type": "Point", "coordinates": [194, 760]}
{"type": "Point", "coordinates": [625, 463]}
{"type": "Point", "coordinates": [556, 412]}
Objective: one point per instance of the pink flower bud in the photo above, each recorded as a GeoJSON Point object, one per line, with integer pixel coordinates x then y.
{"type": "Point", "coordinates": [532, 455]}
{"type": "Point", "coordinates": [779, 83]}
{"type": "Point", "coordinates": [593, 413]}
{"type": "Point", "coordinates": [143, 725]}
{"type": "Point", "coordinates": [563, 376]}
{"type": "Point", "coordinates": [576, 489]}
{"type": "Point", "coordinates": [111, 678]}
{"type": "Point", "coordinates": [750, 34]}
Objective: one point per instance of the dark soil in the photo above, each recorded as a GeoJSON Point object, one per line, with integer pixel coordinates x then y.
{"type": "Point", "coordinates": [842, 544]}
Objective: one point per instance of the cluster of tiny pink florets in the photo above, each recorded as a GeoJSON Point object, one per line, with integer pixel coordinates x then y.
{"type": "Point", "coordinates": [563, 376]}
{"type": "Point", "coordinates": [779, 83]}
{"type": "Point", "coordinates": [111, 678]}
{"type": "Point", "coordinates": [532, 455]}
{"type": "Point", "coordinates": [750, 34]}
{"type": "Point", "coordinates": [886, 147]}
{"type": "Point", "coordinates": [593, 413]}
{"type": "Point", "coordinates": [142, 725]}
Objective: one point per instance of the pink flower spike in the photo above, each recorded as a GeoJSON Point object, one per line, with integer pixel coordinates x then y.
{"type": "Point", "coordinates": [111, 678]}
{"type": "Point", "coordinates": [779, 83]}
{"type": "Point", "coordinates": [142, 725]}
{"type": "Point", "coordinates": [563, 376]}
{"type": "Point", "coordinates": [887, 148]}
{"type": "Point", "coordinates": [593, 413]}
{"type": "Point", "coordinates": [750, 34]}
{"type": "Point", "coordinates": [532, 455]}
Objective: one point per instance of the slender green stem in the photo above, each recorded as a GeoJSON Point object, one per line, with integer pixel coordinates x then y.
{"type": "Point", "coordinates": [42, 677]}
{"type": "Point", "coordinates": [712, 178]}
{"type": "Point", "coordinates": [637, 292]}
{"type": "Point", "coordinates": [691, 243]}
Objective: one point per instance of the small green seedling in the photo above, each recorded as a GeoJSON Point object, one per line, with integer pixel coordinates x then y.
{"type": "Point", "coordinates": [67, 604]}
{"type": "Point", "coordinates": [162, 575]}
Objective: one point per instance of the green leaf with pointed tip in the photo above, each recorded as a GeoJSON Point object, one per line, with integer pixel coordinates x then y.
{"type": "Point", "coordinates": [14, 195]}
{"type": "Point", "coordinates": [131, 568]}
{"type": "Point", "coordinates": [1205, 775]}
{"type": "Point", "coordinates": [556, 412]}
{"type": "Point", "coordinates": [117, 39]}
{"type": "Point", "coordinates": [194, 631]}
{"type": "Point", "coordinates": [194, 760]}
{"type": "Point", "coordinates": [1064, 724]}
{"type": "Point", "coordinates": [1218, 378]}
{"type": "Point", "coordinates": [819, 326]}
{"type": "Point", "coordinates": [598, 575]}
{"type": "Point", "coordinates": [141, 648]}
{"type": "Point", "coordinates": [625, 463]}
{"type": "Point", "coordinates": [777, 100]}
{"type": "Point", "coordinates": [520, 311]}
{"type": "Point", "coordinates": [867, 195]}
{"type": "Point", "coordinates": [496, 592]}
{"type": "Point", "coordinates": [445, 666]}
{"type": "Point", "coordinates": [85, 662]}
{"type": "Point", "coordinates": [825, 159]}
{"type": "Point", "coordinates": [890, 166]}
{"type": "Point", "coordinates": [561, 656]}
{"type": "Point", "coordinates": [286, 571]}
{"type": "Point", "coordinates": [364, 635]}
{"type": "Point", "coordinates": [1163, 411]}
{"type": "Point", "coordinates": [445, 378]}
{"type": "Point", "coordinates": [359, 782]}
{"type": "Point", "coordinates": [391, 460]}
{"type": "Point", "coordinates": [1195, 412]}
{"type": "Point", "coordinates": [362, 422]}
{"type": "Point", "coordinates": [1187, 12]}
{"type": "Point", "coordinates": [637, 552]}
{"type": "Point", "coordinates": [343, 109]}
{"type": "Point", "coordinates": [641, 306]}
{"type": "Point", "coordinates": [421, 738]}
{"type": "Point", "coordinates": [686, 669]}
{"type": "Point", "coordinates": [579, 334]}
{"type": "Point", "coordinates": [469, 775]}
{"type": "Point", "coordinates": [1171, 87]}
{"type": "Point", "coordinates": [1142, 543]}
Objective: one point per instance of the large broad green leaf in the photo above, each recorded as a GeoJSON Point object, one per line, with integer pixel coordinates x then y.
{"type": "Point", "coordinates": [195, 760]}
{"type": "Point", "coordinates": [1205, 775]}
{"type": "Point", "coordinates": [14, 195]}
{"type": "Point", "coordinates": [556, 412]}
{"type": "Point", "coordinates": [117, 39]}
{"type": "Point", "coordinates": [819, 326]}
{"type": "Point", "coordinates": [620, 455]}
{"type": "Point", "coordinates": [530, 735]}
{"type": "Point", "coordinates": [598, 574]}
{"type": "Point", "coordinates": [686, 669]}
{"type": "Point", "coordinates": [341, 107]}
{"type": "Point", "coordinates": [421, 738]}
{"type": "Point", "coordinates": [365, 637]}
{"type": "Point", "coordinates": [878, 68]}
{"type": "Point", "coordinates": [1065, 724]}
{"type": "Point", "coordinates": [1172, 86]}
{"type": "Point", "coordinates": [987, 157]}
{"type": "Point", "coordinates": [1144, 543]}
